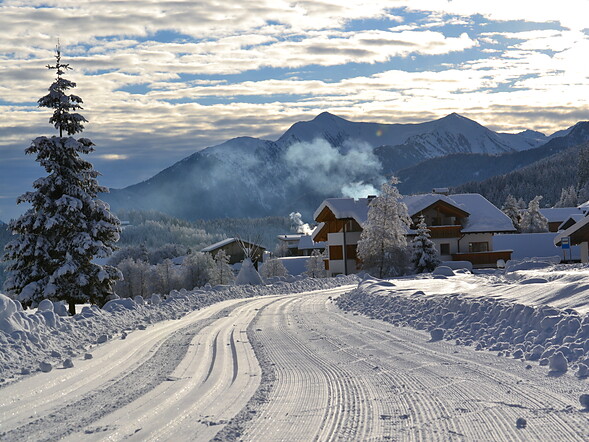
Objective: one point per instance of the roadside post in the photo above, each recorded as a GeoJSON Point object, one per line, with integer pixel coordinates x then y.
{"type": "Point", "coordinates": [565, 243]}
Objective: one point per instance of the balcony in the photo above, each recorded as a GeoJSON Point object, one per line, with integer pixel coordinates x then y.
{"type": "Point", "coordinates": [445, 231]}
{"type": "Point", "coordinates": [483, 259]}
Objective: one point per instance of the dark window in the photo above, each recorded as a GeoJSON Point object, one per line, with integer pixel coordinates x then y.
{"type": "Point", "coordinates": [351, 252]}
{"type": "Point", "coordinates": [444, 249]}
{"type": "Point", "coordinates": [478, 246]}
{"type": "Point", "coordinates": [336, 252]}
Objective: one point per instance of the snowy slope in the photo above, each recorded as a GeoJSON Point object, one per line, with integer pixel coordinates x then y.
{"type": "Point", "coordinates": [325, 157]}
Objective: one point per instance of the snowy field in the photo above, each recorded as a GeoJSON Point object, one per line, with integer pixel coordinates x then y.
{"type": "Point", "coordinates": [300, 361]}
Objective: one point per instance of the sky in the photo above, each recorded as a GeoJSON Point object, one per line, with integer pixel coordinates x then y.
{"type": "Point", "coordinates": [161, 80]}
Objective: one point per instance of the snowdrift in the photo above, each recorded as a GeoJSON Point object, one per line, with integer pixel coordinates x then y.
{"type": "Point", "coordinates": [520, 327]}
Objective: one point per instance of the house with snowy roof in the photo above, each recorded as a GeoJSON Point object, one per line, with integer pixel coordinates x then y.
{"type": "Point", "coordinates": [576, 234]}
{"type": "Point", "coordinates": [462, 227]}
{"type": "Point", "coordinates": [556, 216]}
{"type": "Point", "coordinates": [236, 249]}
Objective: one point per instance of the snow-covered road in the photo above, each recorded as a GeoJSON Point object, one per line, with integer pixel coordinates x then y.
{"type": "Point", "coordinates": [332, 375]}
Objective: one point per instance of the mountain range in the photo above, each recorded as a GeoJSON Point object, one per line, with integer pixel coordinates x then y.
{"type": "Point", "coordinates": [330, 157]}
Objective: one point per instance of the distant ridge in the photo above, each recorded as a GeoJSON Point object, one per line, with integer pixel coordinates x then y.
{"type": "Point", "coordinates": [327, 156]}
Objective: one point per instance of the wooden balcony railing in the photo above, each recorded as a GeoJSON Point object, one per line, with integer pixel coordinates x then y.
{"type": "Point", "coordinates": [445, 231]}
{"type": "Point", "coordinates": [483, 259]}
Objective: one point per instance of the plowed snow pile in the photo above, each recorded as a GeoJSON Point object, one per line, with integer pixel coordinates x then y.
{"type": "Point", "coordinates": [47, 337]}
{"type": "Point", "coordinates": [532, 310]}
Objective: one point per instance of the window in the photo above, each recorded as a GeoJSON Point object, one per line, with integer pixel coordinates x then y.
{"type": "Point", "coordinates": [336, 252]}
{"type": "Point", "coordinates": [351, 251]}
{"type": "Point", "coordinates": [478, 247]}
{"type": "Point", "coordinates": [445, 248]}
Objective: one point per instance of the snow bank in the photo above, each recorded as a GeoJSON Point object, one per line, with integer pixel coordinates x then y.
{"type": "Point", "coordinates": [558, 338]}
{"type": "Point", "coordinates": [36, 340]}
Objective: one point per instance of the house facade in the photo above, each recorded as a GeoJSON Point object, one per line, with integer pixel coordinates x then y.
{"type": "Point", "coordinates": [462, 227]}
{"type": "Point", "coordinates": [236, 249]}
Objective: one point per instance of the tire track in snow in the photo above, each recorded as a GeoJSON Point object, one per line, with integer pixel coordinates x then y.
{"type": "Point", "coordinates": [96, 404]}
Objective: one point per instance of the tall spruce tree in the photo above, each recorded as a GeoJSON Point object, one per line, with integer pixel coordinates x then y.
{"type": "Point", "coordinates": [67, 226]}
{"type": "Point", "coordinates": [383, 246]}
{"type": "Point", "coordinates": [425, 256]}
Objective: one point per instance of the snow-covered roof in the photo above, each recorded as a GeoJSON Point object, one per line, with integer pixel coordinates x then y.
{"type": "Point", "coordinates": [290, 237]}
{"type": "Point", "coordinates": [417, 203]}
{"type": "Point", "coordinates": [483, 215]}
{"type": "Point", "coordinates": [218, 245]}
{"type": "Point", "coordinates": [572, 219]}
{"type": "Point", "coordinates": [559, 214]}
{"type": "Point", "coordinates": [306, 243]}
{"type": "Point", "coordinates": [356, 209]}
{"type": "Point", "coordinates": [577, 231]}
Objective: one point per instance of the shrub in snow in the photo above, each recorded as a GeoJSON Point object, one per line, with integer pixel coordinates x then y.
{"type": "Point", "coordinates": [584, 400]}
{"type": "Point", "coordinates": [383, 245]}
{"type": "Point", "coordinates": [425, 257]}
{"type": "Point", "coordinates": [443, 271]}
{"type": "Point", "coordinates": [88, 356]}
{"type": "Point", "coordinates": [437, 334]}
{"type": "Point", "coordinates": [66, 226]}
{"type": "Point", "coordinates": [45, 367]}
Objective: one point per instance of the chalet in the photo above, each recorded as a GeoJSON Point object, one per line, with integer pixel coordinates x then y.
{"type": "Point", "coordinates": [462, 227]}
{"type": "Point", "coordinates": [237, 248]}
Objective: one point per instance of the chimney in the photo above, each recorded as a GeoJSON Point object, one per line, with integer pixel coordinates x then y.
{"type": "Point", "coordinates": [441, 191]}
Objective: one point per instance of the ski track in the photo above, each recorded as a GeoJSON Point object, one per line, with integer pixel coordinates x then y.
{"type": "Point", "coordinates": [336, 376]}
{"type": "Point", "coordinates": [341, 376]}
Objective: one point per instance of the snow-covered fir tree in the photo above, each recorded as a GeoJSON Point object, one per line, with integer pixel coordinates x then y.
{"type": "Point", "coordinates": [532, 219]}
{"type": "Point", "coordinates": [222, 272]}
{"type": "Point", "coordinates": [273, 267]}
{"type": "Point", "coordinates": [568, 197]}
{"type": "Point", "coordinates": [512, 210]}
{"type": "Point", "coordinates": [425, 257]}
{"type": "Point", "coordinates": [315, 265]}
{"type": "Point", "coordinates": [66, 226]}
{"type": "Point", "coordinates": [383, 246]}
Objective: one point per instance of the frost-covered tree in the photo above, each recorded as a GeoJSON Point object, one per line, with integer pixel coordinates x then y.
{"type": "Point", "coordinates": [273, 267]}
{"type": "Point", "coordinates": [532, 219]}
{"type": "Point", "coordinates": [512, 210]}
{"type": "Point", "coordinates": [425, 257]}
{"type": "Point", "coordinates": [568, 197]}
{"type": "Point", "coordinates": [383, 246]}
{"type": "Point", "coordinates": [222, 272]}
{"type": "Point", "coordinates": [198, 269]}
{"type": "Point", "coordinates": [67, 226]}
{"type": "Point", "coordinates": [315, 265]}
{"type": "Point", "coordinates": [136, 279]}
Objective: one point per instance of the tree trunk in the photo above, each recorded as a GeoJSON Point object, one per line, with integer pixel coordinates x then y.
{"type": "Point", "coordinates": [72, 307]}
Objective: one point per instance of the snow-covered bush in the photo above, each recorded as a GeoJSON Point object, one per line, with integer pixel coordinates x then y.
{"type": "Point", "coordinates": [273, 267]}
{"type": "Point", "coordinates": [315, 265]}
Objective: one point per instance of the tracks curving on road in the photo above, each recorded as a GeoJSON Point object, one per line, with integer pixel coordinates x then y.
{"type": "Point", "coordinates": [326, 375]}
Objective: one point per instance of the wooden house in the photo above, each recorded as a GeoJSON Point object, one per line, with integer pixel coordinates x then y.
{"type": "Point", "coordinates": [462, 227]}
{"type": "Point", "coordinates": [234, 247]}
